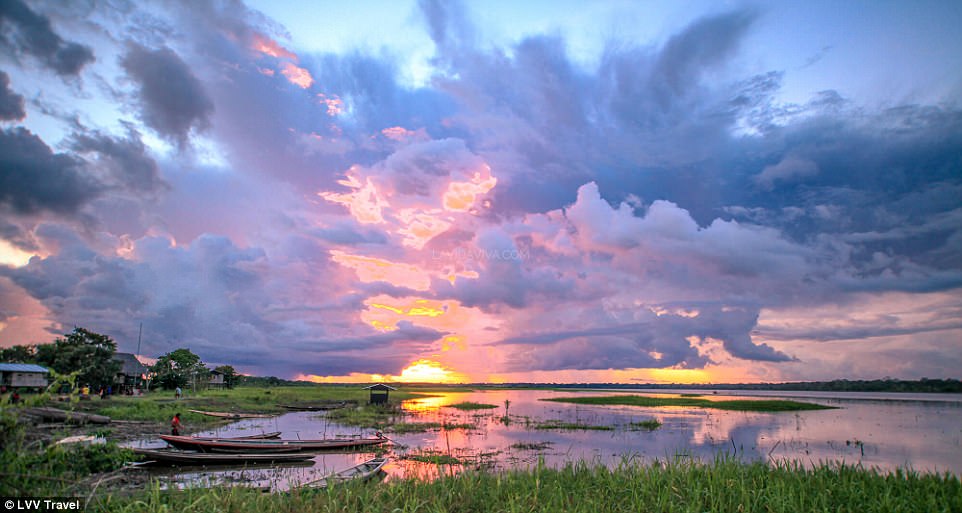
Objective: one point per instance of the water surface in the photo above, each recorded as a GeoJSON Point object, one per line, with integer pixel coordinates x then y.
{"type": "Point", "coordinates": [884, 431]}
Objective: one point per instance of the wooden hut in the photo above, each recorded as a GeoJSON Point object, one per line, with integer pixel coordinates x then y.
{"type": "Point", "coordinates": [379, 392]}
{"type": "Point", "coordinates": [217, 379]}
{"type": "Point", "coordinates": [132, 373]}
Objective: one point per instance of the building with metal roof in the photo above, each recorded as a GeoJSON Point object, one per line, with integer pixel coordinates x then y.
{"type": "Point", "coordinates": [23, 375]}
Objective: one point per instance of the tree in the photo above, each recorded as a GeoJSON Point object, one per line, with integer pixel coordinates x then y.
{"type": "Point", "coordinates": [18, 354]}
{"type": "Point", "coordinates": [230, 375]}
{"type": "Point", "coordinates": [85, 351]}
{"type": "Point", "coordinates": [179, 368]}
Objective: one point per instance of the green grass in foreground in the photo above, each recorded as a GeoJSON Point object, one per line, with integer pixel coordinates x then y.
{"type": "Point", "coordinates": [468, 405]}
{"type": "Point", "coordinates": [737, 404]}
{"type": "Point", "coordinates": [678, 486]}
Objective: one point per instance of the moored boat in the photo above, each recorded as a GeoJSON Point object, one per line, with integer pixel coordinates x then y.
{"type": "Point", "coordinates": [223, 445]}
{"type": "Point", "coordinates": [362, 471]}
{"type": "Point", "coordinates": [203, 458]}
{"type": "Point", "coordinates": [263, 436]}
{"type": "Point", "coordinates": [233, 415]}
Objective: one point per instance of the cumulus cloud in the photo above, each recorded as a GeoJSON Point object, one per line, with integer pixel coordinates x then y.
{"type": "Point", "coordinates": [652, 210]}
{"type": "Point", "coordinates": [26, 32]}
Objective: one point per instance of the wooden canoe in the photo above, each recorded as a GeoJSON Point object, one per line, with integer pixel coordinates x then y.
{"type": "Point", "coordinates": [221, 445]}
{"type": "Point", "coordinates": [203, 458]}
{"type": "Point", "coordinates": [362, 471]}
{"type": "Point", "coordinates": [263, 436]}
{"type": "Point", "coordinates": [233, 415]}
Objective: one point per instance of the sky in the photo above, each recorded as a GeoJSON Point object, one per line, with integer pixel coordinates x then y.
{"type": "Point", "coordinates": [481, 191]}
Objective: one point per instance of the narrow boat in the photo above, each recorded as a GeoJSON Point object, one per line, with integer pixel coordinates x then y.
{"type": "Point", "coordinates": [221, 445]}
{"type": "Point", "coordinates": [362, 471]}
{"type": "Point", "coordinates": [263, 436]}
{"type": "Point", "coordinates": [333, 405]}
{"type": "Point", "coordinates": [232, 415]}
{"type": "Point", "coordinates": [203, 458]}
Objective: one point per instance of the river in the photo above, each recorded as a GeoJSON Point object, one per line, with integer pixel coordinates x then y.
{"type": "Point", "coordinates": [921, 432]}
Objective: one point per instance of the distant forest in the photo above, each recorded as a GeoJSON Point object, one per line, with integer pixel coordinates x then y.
{"type": "Point", "coordinates": [838, 385]}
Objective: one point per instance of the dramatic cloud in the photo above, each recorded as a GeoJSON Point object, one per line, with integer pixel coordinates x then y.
{"type": "Point", "coordinates": [172, 100]}
{"type": "Point", "coordinates": [124, 161]}
{"type": "Point", "coordinates": [11, 104]}
{"type": "Point", "coordinates": [33, 178]}
{"type": "Point", "coordinates": [26, 32]}
{"type": "Point", "coordinates": [534, 205]}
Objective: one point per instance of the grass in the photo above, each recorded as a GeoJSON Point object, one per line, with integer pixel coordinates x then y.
{"type": "Point", "coordinates": [678, 485]}
{"type": "Point", "coordinates": [36, 467]}
{"type": "Point", "coordinates": [645, 425]}
{"type": "Point", "coordinates": [160, 406]}
{"type": "Point", "coordinates": [434, 457]}
{"type": "Point", "coordinates": [421, 427]}
{"type": "Point", "coordinates": [763, 405]}
{"type": "Point", "coordinates": [531, 446]}
{"type": "Point", "coordinates": [569, 426]}
{"type": "Point", "coordinates": [468, 405]}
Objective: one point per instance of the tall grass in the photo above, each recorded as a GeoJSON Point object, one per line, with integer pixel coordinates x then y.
{"type": "Point", "coordinates": [680, 485]}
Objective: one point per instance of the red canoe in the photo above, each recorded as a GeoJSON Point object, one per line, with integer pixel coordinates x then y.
{"type": "Point", "coordinates": [248, 446]}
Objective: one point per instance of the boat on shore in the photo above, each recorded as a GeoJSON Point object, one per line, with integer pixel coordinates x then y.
{"type": "Point", "coordinates": [362, 471]}
{"type": "Point", "coordinates": [233, 415]}
{"type": "Point", "coordinates": [202, 458]}
{"type": "Point", "coordinates": [265, 446]}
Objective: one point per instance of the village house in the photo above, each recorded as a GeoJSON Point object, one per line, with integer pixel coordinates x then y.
{"type": "Point", "coordinates": [23, 375]}
{"type": "Point", "coordinates": [132, 374]}
{"type": "Point", "coordinates": [217, 379]}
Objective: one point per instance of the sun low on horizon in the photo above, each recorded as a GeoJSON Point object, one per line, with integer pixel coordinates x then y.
{"type": "Point", "coordinates": [477, 192]}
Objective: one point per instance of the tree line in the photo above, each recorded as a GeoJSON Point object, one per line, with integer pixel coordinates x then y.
{"type": "Point", "coordinates": [88, 357]}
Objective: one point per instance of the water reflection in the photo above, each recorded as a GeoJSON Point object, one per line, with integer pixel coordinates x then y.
{"type": "Point", "coordinates": [923, 435]}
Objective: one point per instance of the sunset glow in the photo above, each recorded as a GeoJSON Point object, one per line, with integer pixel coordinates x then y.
{"type": "Point", "coordinates": [297, 75]}
{"type": "Point", "coordinates": [633, 192]}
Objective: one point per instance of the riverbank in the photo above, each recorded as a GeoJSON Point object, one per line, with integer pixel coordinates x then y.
{"type": "Point", "coordinates": [680, 485]}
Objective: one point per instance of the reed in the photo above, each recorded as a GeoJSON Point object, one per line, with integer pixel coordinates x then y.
{"type": "Point", "coordinates": [675, 485]}
{"type": "Point", "coordinates": [468, 406]}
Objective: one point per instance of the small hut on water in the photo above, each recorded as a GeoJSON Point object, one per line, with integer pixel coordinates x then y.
{"type": "Point", "coordinates": [379, 393]}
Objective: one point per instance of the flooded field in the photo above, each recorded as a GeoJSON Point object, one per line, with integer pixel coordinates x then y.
{"type": "Point", "coordinates": [918, 431]}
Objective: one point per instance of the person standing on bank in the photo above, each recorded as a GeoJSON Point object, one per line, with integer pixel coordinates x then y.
{"type": "Point", "coordinates": [175, 425]}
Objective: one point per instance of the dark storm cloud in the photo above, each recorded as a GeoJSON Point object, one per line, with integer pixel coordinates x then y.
{"type": "Point", "coordinates": [124, 159]}
{"type": "Point", "coordinates": [172, 100]}
{"type": "Point", "coordinates": [22, 31]}
{"type": "Point", "coordinates": [11, 103]}
{"type": "Point", "coordinates": [632, 344]}
{"type": "Point", "coordinates": [33, 178]}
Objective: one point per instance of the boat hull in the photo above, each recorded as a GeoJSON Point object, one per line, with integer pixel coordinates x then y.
{"type": "Point", "coordinates": [252, 446]}
{"type": "Point", "coordinates": [199, 458]}
{"type": "Point", "coordinates": [362, 472]}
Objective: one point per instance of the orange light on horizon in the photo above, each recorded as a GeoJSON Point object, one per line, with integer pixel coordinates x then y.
{"type": "Point", "coordinates": [429, 371]}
